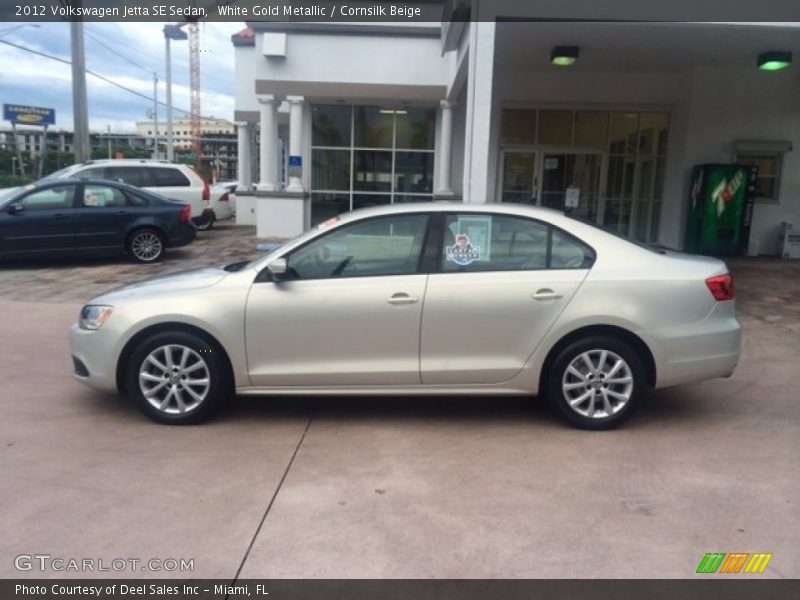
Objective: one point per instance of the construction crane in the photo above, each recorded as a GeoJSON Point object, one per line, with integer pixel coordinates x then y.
{"type": "Point", "coordinates": [194, 90]}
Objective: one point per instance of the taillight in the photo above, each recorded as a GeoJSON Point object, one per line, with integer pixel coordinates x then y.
{"type": "Point", "coordinates": [206, 192]}
{"type": "Point", "coordinates": [721, 287]}
{"type": "Point", "coordinates": [224, 197]}
{"type": "Point", "coordinates": [186, 213]}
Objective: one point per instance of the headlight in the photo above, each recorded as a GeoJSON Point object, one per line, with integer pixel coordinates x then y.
{"type": "Point", "coordinates": [94, 315]}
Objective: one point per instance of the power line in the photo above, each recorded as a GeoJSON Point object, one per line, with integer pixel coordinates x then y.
{"type": "Point", "coordinates": [118, 53]}
{"type": "Point", "coordinates": [102, 77]}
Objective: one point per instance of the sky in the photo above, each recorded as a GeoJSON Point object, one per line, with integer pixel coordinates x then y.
{"type": "Point", "coordinates": [111, 48]}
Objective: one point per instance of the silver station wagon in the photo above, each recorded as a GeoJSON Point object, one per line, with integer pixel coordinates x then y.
{"type": "Point", "coordinates": [438, 298]}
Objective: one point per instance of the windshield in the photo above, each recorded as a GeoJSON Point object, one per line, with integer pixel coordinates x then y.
{"type": "Point", "coordinates": [7, 194]}
{"type": "Point", "coordinates": [60, 174]}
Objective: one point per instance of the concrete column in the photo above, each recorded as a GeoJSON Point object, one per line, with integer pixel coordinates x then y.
{"type": "Point", "coordinates": [445, 146]}
{"type": "Point", "coordinates": [477, 147]}
{"type": "Point", "coordinates": [295, 143]}
{"type": "Point", "coordinates": [243, 130]}
{"type": "Point", "coordinates": [268, 160]}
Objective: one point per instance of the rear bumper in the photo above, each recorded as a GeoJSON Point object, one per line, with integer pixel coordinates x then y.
{"type": "Point", "coordinates": [697, 351]}
{"type": "Point", "coordinates": [183, 234]}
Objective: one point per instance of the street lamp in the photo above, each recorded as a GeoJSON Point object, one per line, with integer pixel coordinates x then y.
{"type": "Point", "coordinates": [171, 32]}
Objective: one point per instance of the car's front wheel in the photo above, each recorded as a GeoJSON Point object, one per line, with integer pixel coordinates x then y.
{"type": "Point", "coordinates": [145, 245]}
{"type": "Point", "coordinates": [596, 382]}
{"type": "Point", "coordinates": [177, 378]}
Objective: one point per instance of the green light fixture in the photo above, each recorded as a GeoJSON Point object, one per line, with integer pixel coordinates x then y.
{"type": "Point", "coordinates": [564, 56]}
{"type": "Point", "coordinates": [774, 60]}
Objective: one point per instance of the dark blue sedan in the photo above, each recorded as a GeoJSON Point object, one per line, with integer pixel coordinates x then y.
{"type": "Point", "coordinates": [90, 217]}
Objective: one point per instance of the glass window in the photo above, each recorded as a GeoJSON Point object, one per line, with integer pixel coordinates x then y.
{"type": "Point", "coordinates": [330, 125]}
{"type": "Point", "coordinates": [382, 246]}
{"type": "Point", "coordinates": [101, 196]}
{"type": "Point", "coordinates": [555, 127]}
{"type": "Point", "coordinates": [367, 200]}
{"type": "Point", "coordinates": [519, 127]}
{"type": "Point", "coordinates": [591, 129]}
{"type": "Point", "coordinates": [93, 173]}
{"type": "Point", "coordinates": [167, 177]}
{"type": "Point", "coordinates": [653, 133]}
{"type": "Point", "coordinates": [330, 170]}
{"type": "Point", "coordinates": [134, 176]}
{"type": "Point", "coordinates": [769, 166]}
{"type": "Point", "coordinates": [58, 197]}
{"type": "Point", "coordinates": [622, 134]}
{"type": "Point", "coordinates": [415, 128]}
{"type": "Point", "coordinates": [372, 171]}
{"type": "Point", "coordinates": [413, 172]}
{"type": "Point", "coordinates": [373, 126]}
{"type": "Point", "coordinates": [136, 199]}
{"type": "Point", "coordinates": [480, 242]}
{"type": "Point", "coordinates": [566, 252]}
{"type": "Point", "coordinates": [326, 206]}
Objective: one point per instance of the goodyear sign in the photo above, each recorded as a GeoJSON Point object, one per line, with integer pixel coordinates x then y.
{"type": "Point", "coordinates": [29, 115]}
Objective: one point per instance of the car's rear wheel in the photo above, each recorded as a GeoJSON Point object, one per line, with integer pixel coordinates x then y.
{"type": "Point", "coordinates": [145, 245]}
{"type": "Point", "coordinates": [177, 378]}
{"type": "Point", "coordinates": [596, 382]}
{"type": "Point", "coordinates": [207, 224]}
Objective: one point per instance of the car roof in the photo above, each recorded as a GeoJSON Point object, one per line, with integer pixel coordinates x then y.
{"type": "Point", "coordinates": [130, 162]}
{"type": "Point", "coordinates": [42, 184]}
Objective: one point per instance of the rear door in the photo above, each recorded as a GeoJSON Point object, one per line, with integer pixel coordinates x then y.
{"type": "Point", "coordinates": [46, 222]}
{"type": "Point", "coordinates": [101, 217]}
{"type": "Point", "coordinates": [501, 284]}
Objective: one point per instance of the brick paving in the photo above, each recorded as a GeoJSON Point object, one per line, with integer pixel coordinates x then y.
{"type": "Point", "coordinates": [767, 289]}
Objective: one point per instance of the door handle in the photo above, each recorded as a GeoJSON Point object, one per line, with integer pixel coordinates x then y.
{"type": "Point", "coordinates": [401, 298]}
{"type": "Point", "coordinates": [546, 294]}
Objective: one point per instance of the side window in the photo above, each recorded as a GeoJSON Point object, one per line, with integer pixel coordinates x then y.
{"type": "Point", "coordinates": [136, 199]}
{"type": "Point", "coordinates": [93, 173]}
{"type": "Point", "coordinates": [131, 175]}
{"type": "Point", "coordinates": [382, 246]}
{"type": "Point", "coordinates": [58, 197]}
{"type": "Point", "coordinates": [569, 253]}
{"type": "Point", "coordinates": [102, 196]}
{"type": "Point", "coordinates": [169, 177]}
{"type": "Point", "coordinates": [485, 242]}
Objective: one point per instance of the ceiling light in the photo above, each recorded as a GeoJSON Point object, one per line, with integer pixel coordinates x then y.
{"type": "Point", "coordinates": [774, 60]}
{"type": "Point", "coordinates": [564, 56]}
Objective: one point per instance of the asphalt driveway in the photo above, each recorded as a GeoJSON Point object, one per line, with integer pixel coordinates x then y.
{"type": "Point", "coordinates": [402, 487]}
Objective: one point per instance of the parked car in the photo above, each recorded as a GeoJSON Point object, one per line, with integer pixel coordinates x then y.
{"type": "Point", "coordinates": [223, 201]}
{"type": "Point", "coordinates": [171, 180]}
{"type": "Point", "coordinates": [50, 218]}
{"type": "Point", "coordinates": [421, 299]}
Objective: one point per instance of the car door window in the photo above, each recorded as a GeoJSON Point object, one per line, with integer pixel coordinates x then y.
{"type": "Point", "coordinates": [485, 242]}
{"type": "Point", "coordinates": [93, 173]}
{"type": "Point", "coordinates": [57, 197]}
{"type": "Point", "coordinates": [135, 176]}
{"type": "Point", "coordinates": [381, 246]}
{"type": "Point", "coordinates": [169, 177]}
{"type": "Point", "coordinates": [102, 196]}
{"type": "Point", "coordinates": [569, 253]}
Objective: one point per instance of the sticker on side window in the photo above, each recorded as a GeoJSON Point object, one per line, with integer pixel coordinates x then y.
{"type": "Point", "coordinates": [463, 253]}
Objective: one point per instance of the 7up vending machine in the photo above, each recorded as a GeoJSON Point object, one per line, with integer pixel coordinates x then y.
{"type": "Point", "coordinates": [720, 209]}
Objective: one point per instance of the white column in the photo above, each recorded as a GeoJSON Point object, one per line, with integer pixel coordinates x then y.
{"type": "Point", "coordinates": [268, 160]}
{"type": "Point", "coordinates": [243, 150]}
{"type": "Point", "coordinates": [477, 147]}
{"type": "Point", "coordinates": [295, 141]}
{"type": "Point", "coordinates": [445, 146]}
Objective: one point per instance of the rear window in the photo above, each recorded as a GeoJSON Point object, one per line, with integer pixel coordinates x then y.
{"type": "Point", "coordinates": [169, 177]}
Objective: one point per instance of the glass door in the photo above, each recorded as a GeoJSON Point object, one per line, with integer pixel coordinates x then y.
{"type": "Point", "coordinates": [578, 173]}
{"type": "Point", "coordinates": [518, 182]}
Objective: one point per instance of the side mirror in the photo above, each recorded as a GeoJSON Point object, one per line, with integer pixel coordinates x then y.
{"type": "Point", "coordinates": [277, 268]}
{"type": "Point", "coordinates": [15, 208]}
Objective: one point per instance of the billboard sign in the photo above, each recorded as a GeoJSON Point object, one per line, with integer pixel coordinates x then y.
{"type": "Point", "coordinates": [29, 115]}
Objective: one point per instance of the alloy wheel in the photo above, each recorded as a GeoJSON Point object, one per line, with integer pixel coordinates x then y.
{"type": "Point", "coordinates": [597, 384]}
{"type": "Point", "coordinates": [146, 246]}
{"type": "Point", "coordinates": [174, 379]}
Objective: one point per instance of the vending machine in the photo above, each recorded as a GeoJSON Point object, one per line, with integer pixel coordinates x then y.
{"type": "Point", "coordinates": [720, 209]}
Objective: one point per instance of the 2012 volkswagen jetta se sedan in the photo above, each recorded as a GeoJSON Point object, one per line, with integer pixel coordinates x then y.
{"type": "Point", "coordinates": [420, 299]}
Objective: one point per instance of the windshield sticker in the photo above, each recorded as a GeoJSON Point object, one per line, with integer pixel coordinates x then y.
{"type": "Point", "coordinates": [329, 223]}
{"type": "Point", "coordinates": [463, 253]}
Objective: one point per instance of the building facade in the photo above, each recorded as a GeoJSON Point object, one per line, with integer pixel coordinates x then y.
{"type": "Point", "coordinates": [333, 117]}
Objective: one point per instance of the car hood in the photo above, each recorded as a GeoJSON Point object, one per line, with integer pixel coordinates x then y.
{"type": "Point", "coordinates": [164, 284]}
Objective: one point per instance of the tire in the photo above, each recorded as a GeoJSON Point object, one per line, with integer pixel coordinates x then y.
{"type": "Point", "coordinates": [600, 397]}
{"type": "Point", "coordinates": [145, 245]}
{"type": "Point", "coordinates": [207, 225]}
{"type": "Point", "coordinates": [163, 392]}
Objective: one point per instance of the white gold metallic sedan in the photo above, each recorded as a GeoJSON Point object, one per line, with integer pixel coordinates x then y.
{"type": "Point", "coordinates": [420, 299]}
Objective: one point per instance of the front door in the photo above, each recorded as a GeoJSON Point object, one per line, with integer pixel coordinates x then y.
{"type": "Point", "coordinates": [502, 283]}
{"type": "Point", "coordinates": [348, 311]}
{"type": "Point", "coordinates": [101, 217]}
{"type": "Point", "coordinates": [45, 223]}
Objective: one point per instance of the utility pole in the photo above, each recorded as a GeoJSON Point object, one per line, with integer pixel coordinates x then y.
{"type": "Point", "coordinates": [109, 141]}
{"type": "Point", "coordinates": [80, 110]}
{"type": "Point", "coordinates": [171, 32]}
{"type": "Point", "coordinates": [155, 115]}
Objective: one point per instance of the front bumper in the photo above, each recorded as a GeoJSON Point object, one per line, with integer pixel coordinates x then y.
{"type": "Point", "coordinates": [94, 356]}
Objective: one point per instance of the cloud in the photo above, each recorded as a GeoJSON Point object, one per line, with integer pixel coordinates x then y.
{"type": "Point", "coordinates": [128, 54]}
